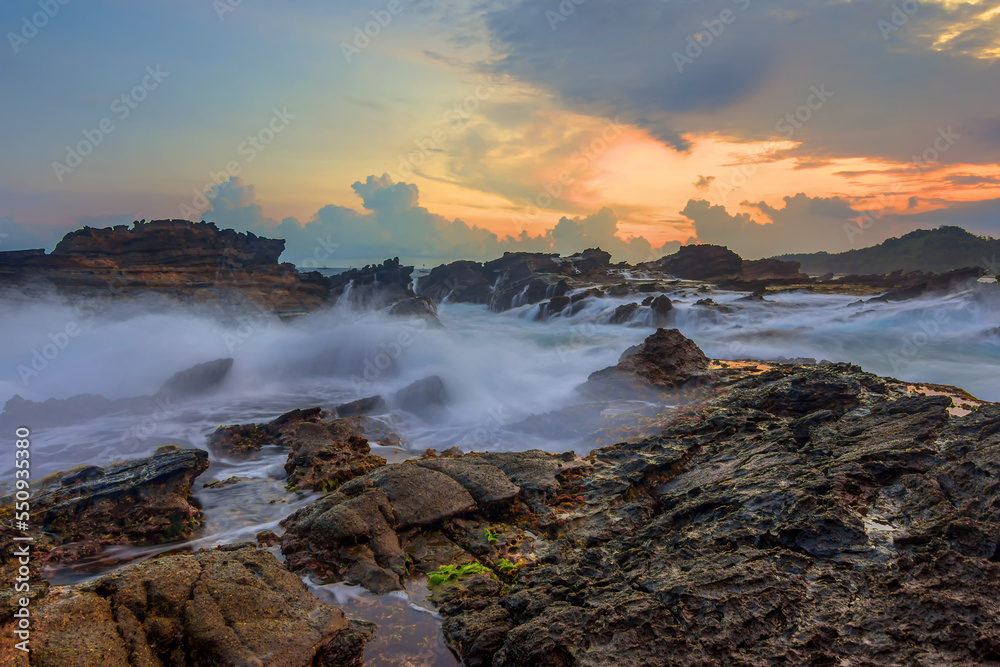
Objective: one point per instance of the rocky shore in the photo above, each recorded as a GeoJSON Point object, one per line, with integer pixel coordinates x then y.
{"type": "Point", "coordinates": [746, 512]}
{"type": "Point", "coordinates": [789, 514]}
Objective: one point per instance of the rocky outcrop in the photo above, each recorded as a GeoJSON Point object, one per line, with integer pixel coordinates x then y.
{"type": "Point", "coordinates": [761, 529]}
{"type": "Point", "coordinates": [415, 517]}
{"type": "Point", "coordinates": [175, 260]}
{"type": "Point", "coordinates": [235, 605]}
{"type": "Point", "coordinates": [516, 279]}
{"type": "Point", "coordinates": [666, 360]}
{"type": "Point", "coordinates": [374, 286]}
{"type": "Point", "coordinates": [706, 262]}
{"type": "Point", "coordinates": [325, 454]}
{"type": "Point", "coordinates": [324, 451]}
{"type": "Point", "coordinates": [143, 501]}
{"type": "Point", "coordinates": [426, 397]}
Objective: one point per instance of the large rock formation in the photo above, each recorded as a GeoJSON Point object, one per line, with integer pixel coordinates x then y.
{"type": "Point", "coordinates": [172, 259]}
{"type": "Point", "coordinates": [142, 501]}
{"type": "Point", "coordinates": [324, 451]}
{"type": "Point", "coordinates": [665, 361]}
{"type": "Point", "coordinates": [812, 515]}
{"type": "Point", "coordinates": [516, 279]}
{"type": "Point", "coordinates": [709, 263]}
{"type": "Point", "coordinates": [374, 286]}
{"type": "Point", "coordinates": [232, 606]}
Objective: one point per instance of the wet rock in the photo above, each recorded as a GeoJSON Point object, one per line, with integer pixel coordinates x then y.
{"type": "Point", "coordinates": [460, 282]}
{"type": "Point", "coordinates": [232, 607]}
{"type": "Point", "coordinates": [553, 307]}
{"type": "Point", "coordinates": [419, 495]}
{"type": "Point", "coordinates": [362, 406]}
{"type": "Point", "coordinates": [417, 306]}
{"type": "Point", "coordinates": [373, 286]}
{"type": "Point", "coordinates": [268, 538]}
{"type": "Point", "coordinates": [425, 397]}
{"type": "Point", "coordinates": [199, 379]}
{"type": "Point", "coordinates": [663, 361]}
{"type": "Point", "coordinates": [757, 530]}
{"type": "Point", "coordinates": [662, 307]}
{"type": "Point", "coordinates": [323, 455]}
{"type": "Point", "coordinates": [623, 313]}
{"type": "Point", "coordinates": [144, 501]}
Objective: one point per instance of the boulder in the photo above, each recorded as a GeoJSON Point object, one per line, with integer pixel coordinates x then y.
{"type": "Point", "coordinates": [199, 379]}
{"type": "Point", "coordinates": [233, 606]}
{"type": "Point", "coordinates": [426, 397]}
{"type": "Point", "coordinates": [323, 455]}
{"type": "Point", "coordinates": [665, 360]}
{"type": "Point", "coordinates": [662, 307]}
{"type": "Point", "coordinates": [373, 286]}
{"type": "Point", "coordinates": [706, 262]}
{"type": "Point", "coordinates": [143, 501]}
{"type": "Point", "coordinates": [623, 313]}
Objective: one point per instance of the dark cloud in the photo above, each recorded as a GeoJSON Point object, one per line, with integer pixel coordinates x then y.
{"type": "Point", "coordinates": [890, 94]}
{"type": "Point", "coordinates": [703, 182]}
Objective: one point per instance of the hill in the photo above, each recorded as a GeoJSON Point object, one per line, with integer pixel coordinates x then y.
{"type": "Point", "coordinates": [937, 250]}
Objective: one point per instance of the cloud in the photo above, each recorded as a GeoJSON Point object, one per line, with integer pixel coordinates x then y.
{"type": "Point", "coordinates": [703, 182]}
{"type": "Point", "coordinates": [890, 93]}
{"type": "Point", "coordinates": [393, 223]}
{"type": "Point", "coordinates": [803, 224]}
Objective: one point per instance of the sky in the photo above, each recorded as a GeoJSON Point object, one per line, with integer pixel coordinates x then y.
{"type": "Point", "coordinates": [444, 129]}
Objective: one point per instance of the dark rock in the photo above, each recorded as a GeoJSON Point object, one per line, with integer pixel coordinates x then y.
{"type": "Point", "coordinates": [662, 307]}
{"type": "Point", "coordinates": [144, 501]}
{"type": "Point", "coordinates": [362, 406]}
{"type": "Point", "coordinates": [417, 306]}
{"type": "Point", "coordinates": [268, 538]}
{"type": "Point", "coordinates": [199, 379]}
{"type": "Point", "coordinates": [174, 260]}
{"type": "Point", "coordinates": [374, 286]}
{"type": "Point", "coordinates": [222, 607]}
{"type": "Point", "coordinates": [419, 496]}
{"type": "Point", "coordinates": [461, 282]}
{"type": "Point", "coordinates": [665, 360]}
{"type": "Point", "coordinates": [590, 261]}
{"type": "Point", "coordinates": [710, 263]}
{"type": "Point", "coordinates": [323, 455]}
{"type": "Point", "coordinates": [487, 483]}
{"type": "Point", "coordinates": [553, 307]}
{"type": "Point", "coordinates": [623, 313]}
{"type": "Point", "coordinates": [423, 397]}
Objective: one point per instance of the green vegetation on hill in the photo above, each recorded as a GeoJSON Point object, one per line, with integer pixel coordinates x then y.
{"type": "Point", "coordinates": [938, 250]}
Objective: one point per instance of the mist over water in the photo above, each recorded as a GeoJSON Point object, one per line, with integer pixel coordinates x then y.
{"type": "Point", "coordinates": [497, 368]}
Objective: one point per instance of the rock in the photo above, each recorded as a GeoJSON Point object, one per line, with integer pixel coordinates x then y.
{"type": "Point", "coordinates": [486, 483]}
{"type": "Point", "coordinates": [144, 501]}
{"type": "Point", "coordinates": [623, 313]}
{"type": "Point", "coordinates": [730, 538]}
{"type": "Point", "coordinates": [620, 290]}
{"type": "Point", "coordinates": [662, 307]}
{"type": "Point", "coordinates": [772, 271]}
{"type": "Point", "coordinates": [326, 454]}
{"type": "Point", "coordinates": [374, 286]}
{"type": "Point", "coordinates": [199, 379]}
{"type": "Point", "coordinates": [172, 260]}
{"type": "Point", "coordinates": [417, 306]}
{"type": "Point", "coordinates": [590, 261]}
{"type": "Point", "coordinates": [362, 406]}
{"type": "Point", "coordinates": [425, 397]}
{"type": "Point", "coordinates": [553, 307]}
{"type": "Point", "coordinates": [665, 360]}
{"type": "Point", "coordinates": [709, 263]}
{"type": "Point", "coordinates": [11, 552]}
{"type": "Point", "coordinates": [223, 607]}
{"type": "Point", "coordinates": [268, 538]}
{"type": "Point", "coordinates": [460, 282]}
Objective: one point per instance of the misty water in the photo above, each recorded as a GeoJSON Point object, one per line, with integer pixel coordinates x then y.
{"type": "Point", "coordinates": [498, 369]}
